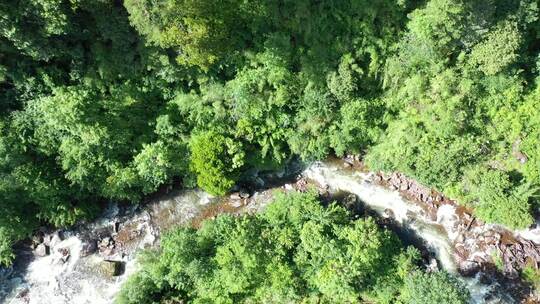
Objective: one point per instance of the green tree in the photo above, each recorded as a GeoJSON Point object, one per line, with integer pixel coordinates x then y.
{"type": "Point", "coordinates": [296, 251]}
{"type": "Point", "coordinates": [434, 287]}
{"type": "Point", "coordinates": [215, 159]}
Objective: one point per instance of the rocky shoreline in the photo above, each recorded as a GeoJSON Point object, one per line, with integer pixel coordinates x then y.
{"type": "Point", "coordinates": [477, 244]}
{"type": "Point", "coordinates": [108, 246]}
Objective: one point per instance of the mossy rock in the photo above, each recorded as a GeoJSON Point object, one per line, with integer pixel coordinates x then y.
{"type": "Point", "coordinates": [111, 268]}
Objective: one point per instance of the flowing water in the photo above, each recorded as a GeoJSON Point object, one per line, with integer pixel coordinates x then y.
{"type": "Point", "coordinates": [51, 280]}
{"type": "Point", "coordinates": [436, 234]}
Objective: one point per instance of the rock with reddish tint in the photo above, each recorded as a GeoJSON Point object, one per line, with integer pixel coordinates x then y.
{"type": "Point", "coordinates": [236, 203]}
{"type": "Point", "coordinates": [404, 186]}
{"type": "Point", "coordinates": [235, 196]}
{"type": "Point", "coordinates": [301, 185]}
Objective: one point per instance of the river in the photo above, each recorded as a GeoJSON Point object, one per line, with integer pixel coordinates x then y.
{"type": "Point", "coordinates": [68, 276]}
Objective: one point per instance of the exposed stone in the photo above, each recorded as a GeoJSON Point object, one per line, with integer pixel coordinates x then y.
{"type": "Point", "coordinates": [236, 203]}
{"type": "Point", "coordinates": [433, 265]}
{"type": "Point", "coordinates": [347, 165]}
{"type": "Point", "coordinates": [88, 247]}
{"type": "Point", "coordinates": [235, 196]}
{"type": "Point", "coordinates": [106, 252]}
{"type": "Point", "coordinates": [22, 293]}
{"type": "Point", "coordinates": [352, 203]}
{"type": "Point", "coordinates": [37, 239]}
{"type": "Point", "coordinates": [515, 253]}
{"type": "Point", "coordinates": [404, 186]}
{"type": "Point", "coordinates": [244, 194]}
{"type": "Point", "coordinates": [468, 268]}
{"type": "Point", "coordinates": [116, 227]}
{"type": "Point", "coordinates": [110, 268]}
{"type": "Point", "coordinates": [388, 213]}
{"type": "Point", "coordinates": [301, 185]}
{"type": "Point", "coordinates": [54, 239]}
{"type": "Point", "coordinates": [65, 254]}
{"type": "Point", "coordinates": [41, 250]}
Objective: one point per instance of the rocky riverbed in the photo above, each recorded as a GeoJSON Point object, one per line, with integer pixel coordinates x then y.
{"type": "Point", "coordinates": [88, 263]}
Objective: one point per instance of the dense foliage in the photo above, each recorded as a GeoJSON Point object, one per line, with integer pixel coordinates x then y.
{"type": "Point", "coordinates": [296, 251]}
{"type": "Point", "coordinates": [110, 100]}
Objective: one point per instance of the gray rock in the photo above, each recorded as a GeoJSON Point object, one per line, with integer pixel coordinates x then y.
{"type": "Point", "coordinates": [352, 203]}
{"type": "Point", "coordinates": [41, 250]}
{"type": "Point", "coordinates": [54, 239]}
{"type": "Point", "coordinates": [468, 268]}
{"type": "Point", "coordinates": [36, 240]}
{"type": "Point", "coordinates": [236, 203]}
{"type": "Point", "coordinates": [65, 255]}
{"type": "Point", "coordinates": [88, 247]}
{"type": "Point", "coordinates": [105, 242]}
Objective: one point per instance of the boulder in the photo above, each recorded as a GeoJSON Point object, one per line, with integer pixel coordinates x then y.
{"type": "Point", "coordinates": [54, 239]}
{"type": "Point", "coordinates": [244, 194]}
{"type": "Point", "coordinates": [41, 250]}
{"type": "Point", "coordinates": [37, 239]}
{"type": "Point", "coordinates": [388, 213]}
{"type": "Point", "coordinates": [88, 247]}
{"type": "Point", "coordinates": [404, 186]}
{"type": "Point", "coordinates": [116, 227]}
{"type": "Point", "coordinates": [236, 203]}
{"type": "Point", "coordinates": [469, 268]}
{"type": "Point", "coordinates": [110, 268]}
{"type": "Point", "coordinates": [353, 204]}
{"type": "Point", "coordinates": [65, 254]}
{"type": "Point", "coordinates": [106, 242]}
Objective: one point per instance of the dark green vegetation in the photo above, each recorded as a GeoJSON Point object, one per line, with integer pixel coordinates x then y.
{"type": "Point", "coordinates": [296, 251]}
{"type": "Point", "coordinates": [106, 100]}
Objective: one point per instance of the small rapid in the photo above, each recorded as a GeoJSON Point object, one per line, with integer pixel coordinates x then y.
{"type": "Point", "coordinates": [72, 274]}
{"type": "Point", "coordinates": [437, 234]}
{"type": "Point", "coordinates": [65, 276]}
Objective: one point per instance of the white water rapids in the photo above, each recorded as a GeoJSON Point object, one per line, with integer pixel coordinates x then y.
{"type": "Point", "coordinates": [46, 281]}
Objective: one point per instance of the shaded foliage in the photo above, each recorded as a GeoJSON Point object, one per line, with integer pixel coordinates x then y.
{"type": "Point", "coordinates": [296, 251]}
{"type": "Point", "coordinates": [104, 100]}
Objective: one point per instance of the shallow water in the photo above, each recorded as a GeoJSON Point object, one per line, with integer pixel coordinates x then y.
{"type": "Point", "coordinates": [47, 281]}
{"type": "Point", "coordinates": [436, 234]}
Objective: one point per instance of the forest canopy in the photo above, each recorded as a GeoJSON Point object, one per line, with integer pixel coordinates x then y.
{"type": "Point", "coordinates": [110, 100]}
{"type": "Point", "coordinates": [296, 251]}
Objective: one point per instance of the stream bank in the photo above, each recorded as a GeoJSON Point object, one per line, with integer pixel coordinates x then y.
{"type": "Point", "coordinates": [88, 264]}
